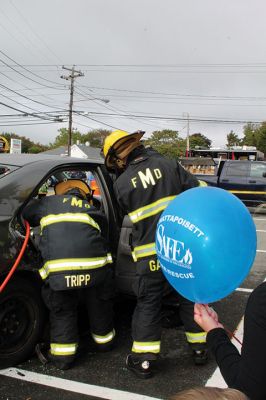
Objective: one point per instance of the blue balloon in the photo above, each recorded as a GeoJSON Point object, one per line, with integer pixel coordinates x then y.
{"type": "Point", "coordinates": [206, 243]}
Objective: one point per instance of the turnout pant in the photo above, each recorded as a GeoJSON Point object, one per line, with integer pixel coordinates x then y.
{"type": "Point", "coordinates": [146, 322]}
{"type": "Point", "coordinates": [63, 315]}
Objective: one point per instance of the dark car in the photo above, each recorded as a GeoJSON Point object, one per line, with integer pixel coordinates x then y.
{"type": "Point", "coordinates": [22, 312]}
{"type": "Point", "coordinates": [245, 179]}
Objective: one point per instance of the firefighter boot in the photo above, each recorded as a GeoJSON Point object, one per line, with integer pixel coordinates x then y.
{"type": "Point", "coordinates": [141, 365]}
{"type": "Point", "coordinates": [45, 357]}
{"type": "Point", "coordinates": [200, 354]}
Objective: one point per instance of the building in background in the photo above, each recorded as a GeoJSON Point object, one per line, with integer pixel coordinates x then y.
{"type": "Point", "coordinates": [234, 153]}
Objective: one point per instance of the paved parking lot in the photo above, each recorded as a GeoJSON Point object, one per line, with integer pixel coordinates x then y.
{"type": "Point", "coordinates": [104, 376]}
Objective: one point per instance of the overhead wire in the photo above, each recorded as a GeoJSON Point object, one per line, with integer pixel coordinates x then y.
{"type": "Point", "coordinates": [115, 109]}
{"type": "Point", "coordinates": [191, 118]}
{"type": "Point", "coordinates": [26, 113]}
{"type": "Point", "coordinates": [34, 31]}
{"type": "Point", "coordinates": [27, 70]}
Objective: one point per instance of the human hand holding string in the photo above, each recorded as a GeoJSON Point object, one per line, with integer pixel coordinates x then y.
{"type": "Point", "coordinates": [206, 317]}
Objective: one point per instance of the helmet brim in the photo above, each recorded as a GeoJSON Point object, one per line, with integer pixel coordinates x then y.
{"type": "Point", "coordinates": [65, 186]}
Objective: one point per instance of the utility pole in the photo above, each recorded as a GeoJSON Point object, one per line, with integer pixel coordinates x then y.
{"type": "Point", "coordinates": [187, 147]}
{"type": "Point", "coordinates": [74, 74]}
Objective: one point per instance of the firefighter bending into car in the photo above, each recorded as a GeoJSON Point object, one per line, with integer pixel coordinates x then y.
{"type": "Point", "coordinates": [75, 257]}
{"type": "Point", "coordinates": [145, 185]}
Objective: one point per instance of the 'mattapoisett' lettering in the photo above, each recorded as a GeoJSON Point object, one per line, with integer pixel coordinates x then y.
{"type": "Point", "coordinates": [183, 222]}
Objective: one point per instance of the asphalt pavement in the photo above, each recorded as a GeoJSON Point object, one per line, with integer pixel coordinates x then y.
{"type": "Point", "coordinates": [104, 376]}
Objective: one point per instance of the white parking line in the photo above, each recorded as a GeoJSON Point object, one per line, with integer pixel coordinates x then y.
{"type": "Point", "coordinates": [239, 289]}
{"type": "Point", "coordinates": [261, 251]}
{"type": "Point", "coordinates": [72, 386]}
{"type": "Point", "coordinates": [260, 230]}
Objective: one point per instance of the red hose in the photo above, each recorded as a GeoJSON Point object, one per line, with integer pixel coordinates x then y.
{"type": "Point", "coordinates": [11, 272]}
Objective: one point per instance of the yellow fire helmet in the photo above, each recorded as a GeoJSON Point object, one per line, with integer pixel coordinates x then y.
{"type": "Point", "coordinates": [65, 186]}
{"type": "Point", "coordinates": [114, 150]}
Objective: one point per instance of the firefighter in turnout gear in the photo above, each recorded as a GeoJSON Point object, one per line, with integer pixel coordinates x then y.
{"type": "Point", "coordinates": [146, 183]}
{"type": "Point", "coordinates": [75, 257]}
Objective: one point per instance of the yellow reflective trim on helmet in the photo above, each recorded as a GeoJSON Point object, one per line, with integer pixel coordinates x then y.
{"type": "Point", "coordinates": [150, 209]}
{"type": "Point", "coordinates": [73, 264]}
{"type": "Point", "coordinates": [196, 337]}
{"type": "Point", "coordinates": [68, 217]}
{"type": "Point", "coordinates": [146, 347]}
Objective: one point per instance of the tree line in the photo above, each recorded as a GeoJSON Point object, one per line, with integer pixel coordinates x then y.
{"type": "Point", "coordinates": [166, 141]}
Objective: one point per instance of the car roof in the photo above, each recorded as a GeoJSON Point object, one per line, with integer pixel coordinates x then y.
{"type": "Point", "coordinates": [21, 160]}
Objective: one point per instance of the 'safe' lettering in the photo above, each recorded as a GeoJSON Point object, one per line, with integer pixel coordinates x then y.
{"type": "Point", "coordinates": [173, 249]}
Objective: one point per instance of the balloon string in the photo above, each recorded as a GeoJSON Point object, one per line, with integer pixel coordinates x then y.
{"type": "Point", "coordinates": [231, 334]}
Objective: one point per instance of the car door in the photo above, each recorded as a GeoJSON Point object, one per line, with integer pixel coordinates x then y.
{"type": "Point", "coordinates": [234, 178]}
{"type": "Point", "coordinates": [257, 183]}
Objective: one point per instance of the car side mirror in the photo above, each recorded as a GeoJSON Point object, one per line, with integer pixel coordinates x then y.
{"type": "Point", "coordinates": [264, 174]}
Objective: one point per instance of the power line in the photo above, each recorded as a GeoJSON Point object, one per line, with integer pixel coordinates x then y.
{"type": "Point", "coordinates": [38, 76]}
{"type": "Point", "coordinates": [33, 30]}
{"type": "Point", "coordinates": [192, 119]}
{"type": "Point", "coordinates": [114, 109]}
{"type": "Point", "coordinates": [177, 94]}
{"type": "Point", "coordinates": [35, 123]}
{"type": "Point", "coordinates": [27, 113]}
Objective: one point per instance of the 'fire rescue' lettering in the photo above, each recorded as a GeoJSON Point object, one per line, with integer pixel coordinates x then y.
{"type": "Point", "coordinates": [77, 280]}
{"type": "Point", "coordinates": [147, 178]}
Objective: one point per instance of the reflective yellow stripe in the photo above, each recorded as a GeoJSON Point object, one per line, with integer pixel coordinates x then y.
{"type": "Point", "coordinates": [74, 264]}
{"type": "Point", "coordinates": [143, 251]}
{"type": "Point", "coordinates": [245, 192]}
{"type": "Point", "coordinates": [104, 339]}
{"type": "Point", "coordinates": [68, 217]}
{"type": "Point", "coordinates": [146, 347]}
{"type": "Point", "coordinates": [66, 349]}
{"type": "Point", "coordinates": [150, 209]}
{"type": "Point", "coordinates": [202, 183]}
{"type": "Point", "coordinates": [196, 337]}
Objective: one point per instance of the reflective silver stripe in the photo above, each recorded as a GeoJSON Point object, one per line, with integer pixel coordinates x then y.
{"type": "Point", "coordinates": [74, 264]}
{"type": "Point", "coordinates": [68, 217]}
{"type": "Point", "coordinates": [67, 349]}
{"type": "Point", "coordinates": [146, 347]}
{"type": "Point", "coordinates": [143, 251]}
{"type": "Point", "coordinates": [196, 337]}
{"type": "Point", "coordinates": [150, 209]}
{"type": "Point", "coordinates": [104, 339]}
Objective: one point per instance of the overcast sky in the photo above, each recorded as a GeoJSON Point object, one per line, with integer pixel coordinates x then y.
{"type": "Point", "coordinates": [158, 63]}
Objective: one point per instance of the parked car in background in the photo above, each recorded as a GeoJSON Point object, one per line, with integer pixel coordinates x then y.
{"type": "Point", "coordinates": [245, 179]}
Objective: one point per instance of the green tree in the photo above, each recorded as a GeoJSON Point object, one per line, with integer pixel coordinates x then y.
{"type": "Point", "coordinates": [37, 148]}
{"type": "Point", "coordinates": [261, 138]}
{"type": "Point", "coordinates": [232, 139]}
{"type": "Point", "coordinates": [167, 142]}
{"type": "Point", "coordinates": [62, 138]}
{"type": "Point", "coordinates": [251, 134]}
{"type": "Point", "coordinates": [96, 137]}
{"type": "Point", "coordinates": [197, 139]}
